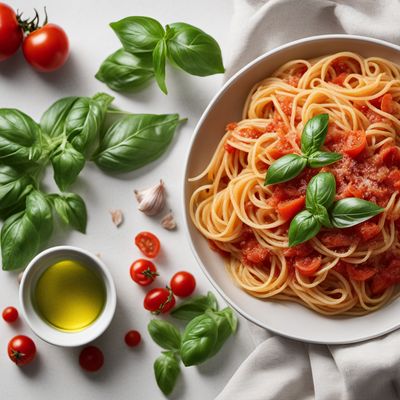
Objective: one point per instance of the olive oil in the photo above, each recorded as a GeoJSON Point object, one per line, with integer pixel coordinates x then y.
{"type": "Point", "coordinates": [69, 295]}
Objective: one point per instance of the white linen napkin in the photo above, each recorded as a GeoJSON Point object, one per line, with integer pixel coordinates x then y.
{"type": "Point", "coordinates": [280, 368]}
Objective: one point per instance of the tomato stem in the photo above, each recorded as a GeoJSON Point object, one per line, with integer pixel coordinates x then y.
{"type": "Point", "coordinates": [31, 25]}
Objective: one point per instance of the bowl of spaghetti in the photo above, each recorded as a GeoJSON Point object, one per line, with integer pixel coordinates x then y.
{"type": "Point", "coordinates": [341, 285]}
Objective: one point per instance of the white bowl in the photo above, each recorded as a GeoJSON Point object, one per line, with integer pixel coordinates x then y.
{"type": "Point", "coordinates": [285, 318]}
{"type": "Point", "coordinates": [28, 283]}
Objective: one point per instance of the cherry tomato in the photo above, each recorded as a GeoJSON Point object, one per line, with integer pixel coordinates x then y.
{"type": "Point", "coordinates": [159, 300]}
{"type": "Point", "coordinates": [183, 284]}
{"type": "Point", "coordinates": [132, 338]}
{"type": "Point", "coordinates": [10, 314]}
{"type": "Point", "coordinates": [46, 48]}
{"type": "Point", "coordinates": [21, 349]}
{"type": "Point", "coordinates": [355, 143]}
{"type": "Point", "coordinates": [91, 358]}
{"type": "Point", "coordinates": [143, 272]}
{"type": "Point", "coordinates": [308, 266]}
{"type": "Point", "coordinates": [10, 32]}
{"type": "Point", "coordinates": [148, 244]}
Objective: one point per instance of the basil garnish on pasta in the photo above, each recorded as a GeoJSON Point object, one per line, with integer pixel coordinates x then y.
{"type": "Point", "coordinates": [322, 210]}
{"type": "Point", "coordinates": [312, 138]}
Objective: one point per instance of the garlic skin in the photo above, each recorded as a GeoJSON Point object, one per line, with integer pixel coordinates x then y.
{"type": "Point", "coordinates": [168, 222]}
{"type": "Point", "coordinates": [152, 200]}
{"type": "Point", "coordinates": [117, 217]}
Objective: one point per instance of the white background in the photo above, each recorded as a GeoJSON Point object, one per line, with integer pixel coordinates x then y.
{"type": "Point", "coordinates": [128, 373]}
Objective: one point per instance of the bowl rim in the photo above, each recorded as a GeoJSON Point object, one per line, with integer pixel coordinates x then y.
{"type": "Point", "coordinates": [186, 216]}
{"type": "Point", "coordinates": [81, 337]}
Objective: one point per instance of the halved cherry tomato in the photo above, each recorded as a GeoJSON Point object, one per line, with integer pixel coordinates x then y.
{"type": "Point", "coordinates": [183, 284]}
{"type": "Point", "coordinates": [132, 338]}
{"type": "Point", "coordinates": [308, 266]}
{"type": "Point", "coordinates": [143, 272]}
{"type": "Point", "coordinates": [10, 314]}
{"type": "Point", "coordinates": [21, 350]}
{"type": "Point", "coordinates": [46, 48]}
{"type": "Point", "coordinates": [159, 300]}
{"type": "Point", "coordinates": [91, 358]}
{"type": "Point", "coordinates": [360, 273]}
{"type": "Point", "coordinates": [355, 143]}
{"type": "Point", "coordinates": [289, 208]}
{"type": "Point", "coordinates": [10, 32]}
{"type": "Point", "coordinates": [148, 244]}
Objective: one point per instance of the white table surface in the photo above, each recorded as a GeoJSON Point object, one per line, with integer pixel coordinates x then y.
{"type": "Point", "coordinates": [128, 373]}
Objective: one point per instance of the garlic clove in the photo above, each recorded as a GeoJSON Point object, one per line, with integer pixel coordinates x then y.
{"type": "Point", "coordinates": [117, 217]}
{"type": "Point", "coordinates": [168, 222]}
{"type": "Point", "coordinates": [152, 200]}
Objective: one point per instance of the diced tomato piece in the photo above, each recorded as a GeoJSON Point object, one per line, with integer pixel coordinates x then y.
{"type": "Point", "coordinates": [367, 230]}
{"type": "Point", "coordinates": [289, 208]}
{"type": "Point", "coordinates": [386, 277]}
{"type": "Point", "coordinates": [356, 142]}
{"type": "Point", "coordinates": [308, 266]}
{"type": "Point", "coordinates": [254, 253]}
{"type": "Point", "coordinates": [360, 272]}
{"type": "Point", "coordinates": [301, 250]}
{"type": "Point", "coordinates": [333, 240]}
{"type": "Point", "coordinates": [229, 149]}
{"type": "Point", "coordinates": [387, 103]}
{"type": "Point", "coordinates": [389, 156]}
{"type": "Point", "coordinates": [231, 126]}
{"type": "Point", "coordinates": [339, 79]}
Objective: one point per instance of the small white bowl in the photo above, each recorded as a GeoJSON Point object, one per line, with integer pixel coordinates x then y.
{"type": "Point", "coordinates": [28, 283]}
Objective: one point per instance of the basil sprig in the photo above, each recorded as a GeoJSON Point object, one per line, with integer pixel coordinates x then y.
{"type": "Point", "coordinates": [322, 210]}
{"type": "Point", "coordinates": [312, 138]}
{"type": "Point", "coordinates": [204, 335]}
{"type": "Point", "coordinates": [146, 48]}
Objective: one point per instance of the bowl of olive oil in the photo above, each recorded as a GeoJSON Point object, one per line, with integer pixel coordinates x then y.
{"type": "Point", "coordinates": [67, 296]}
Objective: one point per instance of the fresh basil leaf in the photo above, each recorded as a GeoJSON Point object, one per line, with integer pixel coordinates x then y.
{"type": "Point", "coordinates": [226, 326]}
{"type": "Point", "coordinates": [53, 120]}
{"type": "Point", "coordinates": [135, 141]}
{"type": "Point", "coordinates": [39, 211]}
{"type": "Point", "coordinates": [321, 190]}
{"type": "Point", "coordinates": [67, 164]}
{"type": "Point", "coordinates": [71, 208]}
{"type": "Point", "coordinates": [352, 211]}
{"type": "Point", "coordinates": [14, 187]}
{"type": "Point", "coordinates": [83, 123]}
{"type": "Point", "coordinates": [314, 134]}
{"type": "Point", "coordinates": [322, 216]}
{"type": "Point", "coordinates": [319, 159]}
{"type": "Point", "coordinates": [165, 334]}
{"type": "Point", "coordinates": [196, 305]}
{"type": "Point", "coordinates": [159, 57]}
{"type": "Point", "coordinates": [193, 50]}
{"type": "Point", "coordinates": [138, 34]}
{"type": "Point", "coordinates": [20, 241]}
{"type": "Point", "coordinates": [20, 138]}
{"type": "Point", "coordinates": [123, 71]}
{"type": "Point", "coordinates": [103, 100]}
{"type": "Point", "coordinates": [303, 227]}
{"type": "Point", "coordinates": [198, 340]}
{"type": "Point", "coordinates": [285, 168]}
{"type": "Point", "coordinates": [166, 371]}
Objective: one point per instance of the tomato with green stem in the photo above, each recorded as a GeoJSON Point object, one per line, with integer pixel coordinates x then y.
{"type": "Point", "coordinates": [143, 272]}
{"type": "Point", "coordinates": [159, 300]}
{"type": "Point", "coordinates": [21, 350]}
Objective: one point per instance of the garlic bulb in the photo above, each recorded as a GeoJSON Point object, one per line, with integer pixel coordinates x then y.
{"type": "Point", "coordinates": [152, 200]}
{"type": "Point", "coordinates": [168, 222]}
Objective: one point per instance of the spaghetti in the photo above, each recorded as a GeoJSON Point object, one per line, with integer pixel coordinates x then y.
{"type": "Point", "coordinates": [348, 271]}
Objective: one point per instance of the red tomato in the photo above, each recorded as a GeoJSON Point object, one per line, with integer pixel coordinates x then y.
{"type": "Point", "coordinates": [91, 358]}
{"type": "Point", "coordinates": [46, 48]}
{"type": "Point", "coordinates": [336, 239]}
{"type": "Point", "coordinates": [143, 272]}
{"type": "Point", "coordinates": [10, 314]}
{"type": "Point", "coordinates": [289, 208]}
{"type": "Point", "coordinates": [10, 32]}
{"type": "Point", "coordinates": [132, 338]}
{"type": "Point", "coordinates": [360, 273]}
{"type": "Point", "coordinates": [386, 277]}
{"type": "Point", "coordinates": [148, 244]}
{"type": "Point", "coordinates": [367, 230]}
{"type": "Point", "coordinates": [183, 284]}
{"type": "Point", "coordinates": [387, 103]}
{"type": "Point", "coordinates": [339, 80]}
{"type": "Point", "coordinates": [21, 350]}
{"type": "Point", "coordinates": [308, 266]}
{"type": "Point", "coordinates": [355, 143]}
{"type": "Point", "coordinates": [159, 300]}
